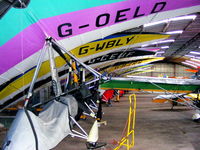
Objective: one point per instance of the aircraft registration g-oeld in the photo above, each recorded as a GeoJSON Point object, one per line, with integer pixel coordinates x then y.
{"type": "Point", "coordinates": [72, 24]}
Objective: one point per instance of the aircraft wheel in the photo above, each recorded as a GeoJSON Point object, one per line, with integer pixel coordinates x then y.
{"type": "Point", "coordinates": [196, 117]}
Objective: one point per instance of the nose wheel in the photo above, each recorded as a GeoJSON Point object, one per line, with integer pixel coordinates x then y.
{"type": "Point", "coordinates": [91, 146]}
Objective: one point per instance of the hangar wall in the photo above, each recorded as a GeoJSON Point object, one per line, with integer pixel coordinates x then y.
{"type": "Point", "coordinates": [168, 69]}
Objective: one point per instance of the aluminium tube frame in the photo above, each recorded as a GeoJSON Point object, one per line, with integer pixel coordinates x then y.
{"type": "Point", "coordinates": [42, 54]}
{"type": "Point", "coordinates": [97, 74]}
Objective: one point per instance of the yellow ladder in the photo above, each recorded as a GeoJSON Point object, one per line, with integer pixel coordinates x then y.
{"type": "Point", "coordinates": [128, 139]}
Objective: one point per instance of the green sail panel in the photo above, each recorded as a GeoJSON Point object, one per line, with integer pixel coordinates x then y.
{"type": "Point", "coordinates": [180, 86]}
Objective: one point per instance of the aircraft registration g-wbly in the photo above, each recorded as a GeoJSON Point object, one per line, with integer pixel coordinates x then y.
{"type": "Point", "coordinates": [29, 29]}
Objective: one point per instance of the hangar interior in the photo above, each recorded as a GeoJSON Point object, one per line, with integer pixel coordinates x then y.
{"type": "Point", "coordinates": [102, 78]}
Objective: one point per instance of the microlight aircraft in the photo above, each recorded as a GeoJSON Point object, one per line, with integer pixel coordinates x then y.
{"type": "Point", "coordinates": [27, 25]}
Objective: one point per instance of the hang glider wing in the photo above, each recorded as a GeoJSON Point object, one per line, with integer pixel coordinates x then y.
{"type": "Point", "coordinates": [152, 84]}
{"type": "Point", "coordinates": [133, 70]}
{"type": "Point", "coordinates": [26, 24]}
{"type": "Point", "coordinates": [16, 81]}
{"type": "Point", "coordinates": [171, 98]}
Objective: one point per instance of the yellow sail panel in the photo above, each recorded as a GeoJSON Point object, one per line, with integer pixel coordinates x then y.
{"type": "Point", "coordinates": [115, 68]}
{"type": "Point", "coordinates": [105, 45]}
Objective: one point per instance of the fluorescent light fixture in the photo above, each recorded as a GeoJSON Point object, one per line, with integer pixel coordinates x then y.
{"type": "Point", "coordinates": [171, 19]}
{"type": "Point", "coordinates": [188, 17]}
{"type": "Point", "coordinates": [192, 62]}
{"type": "Point", "coordinates": [198, 60]}
{"type": "Point", "coordinates": [155, 23]}
{"type": "Point", "coordinates": [175, 32]}
{"type": "Point", "coordinates": [164, 41]}
{"type": "Point", "coordinates": [164, 47]}
{"type": "Point", "coordinates": [161, 52]}
{"type": "Point", "coordinates": [188, 64]}
{"type": "Point", "coordinates": [159, 42]}
{"type": "Point", "coordinates": [193, 52]}
{"type": "Point", "coordinates": [192, 56]}
{"type": "Point", "coordinates": [145, 45]}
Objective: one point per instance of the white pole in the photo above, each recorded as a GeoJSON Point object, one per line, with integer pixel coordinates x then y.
{"type": "Point", "coordinates": [42, 53]}
{"type": "Point", "coordinates": [54, 73]}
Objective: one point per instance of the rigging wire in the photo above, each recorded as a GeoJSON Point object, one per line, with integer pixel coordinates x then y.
{"type": "Point", "coordinates": [124, 50]}
{"type": "Point", "coordinates": [34, 19]}
{"type": "Point", "coordinates": [127, 48]}
{"type": "Point", "coordinates": [132, 42]}
{"type": "Point", "coordinates": [187, 103]}
{"type": "Point", "coordinates": [22, 45]}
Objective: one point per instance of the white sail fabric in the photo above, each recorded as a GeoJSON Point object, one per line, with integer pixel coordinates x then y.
{"type": "Point", "coordinates": [159, 80]}
{"type": "Point", "coordinates": [170, 96]}
{"type": "Point", "coordinates": [72, 103]}
{"type": "Point", "coordinates": [51, 126]}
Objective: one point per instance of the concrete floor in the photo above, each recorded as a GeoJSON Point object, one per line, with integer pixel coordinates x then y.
{"type": "Point", "coordinates": [157, 127]}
